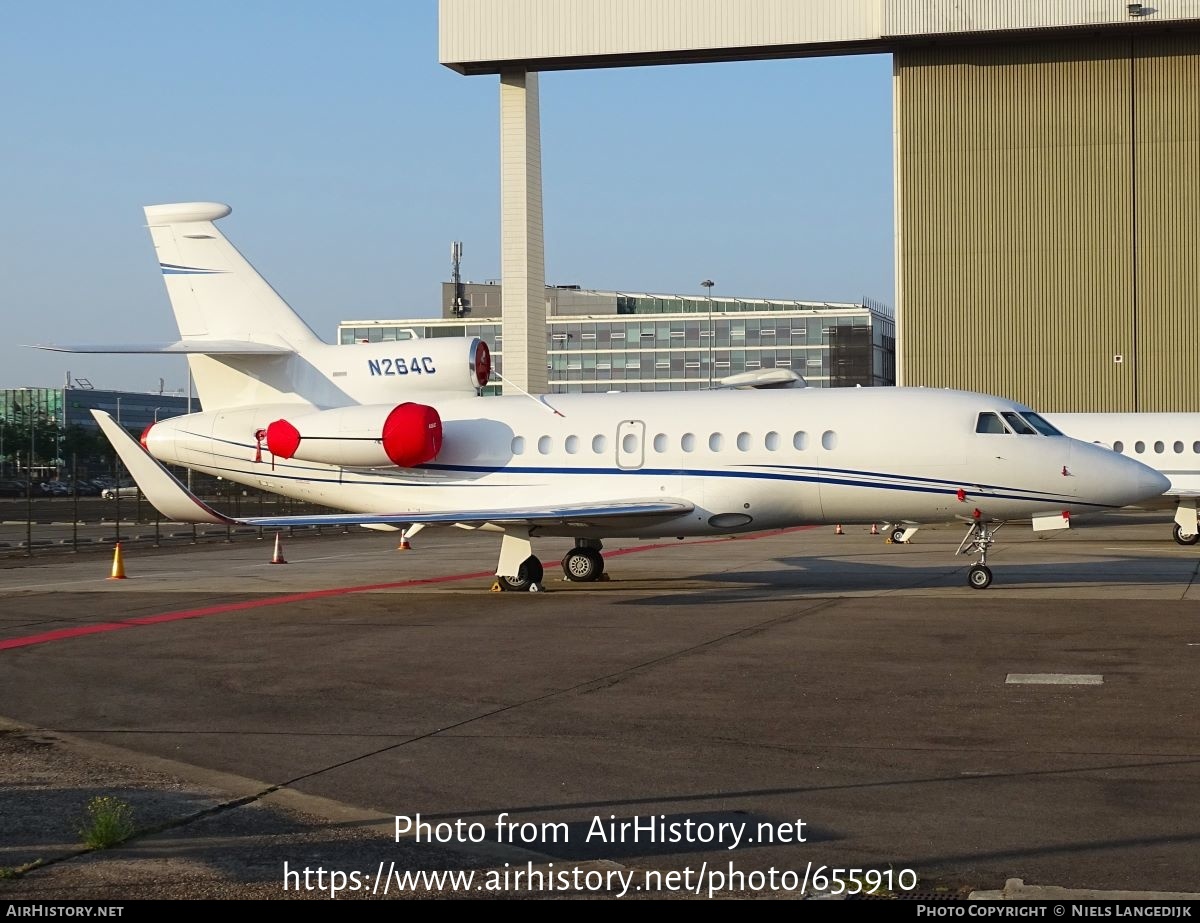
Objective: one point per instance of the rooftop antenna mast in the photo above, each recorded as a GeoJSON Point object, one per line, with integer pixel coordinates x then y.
{"type": "Point", "coordinates": [460, 307]}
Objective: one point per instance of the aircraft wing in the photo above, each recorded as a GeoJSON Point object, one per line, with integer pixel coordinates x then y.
{"type": "Point", "coordinates": [184, 347]}
{"type": "Point", "coordinates": [176, 502]}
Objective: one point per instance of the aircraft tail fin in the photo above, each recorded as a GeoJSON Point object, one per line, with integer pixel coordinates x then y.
{"type": "Point", "coordinates": [218, 297]}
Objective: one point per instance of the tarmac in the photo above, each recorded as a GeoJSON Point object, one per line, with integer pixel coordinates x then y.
{"type": "Point", "coordinates": [1034, 741]}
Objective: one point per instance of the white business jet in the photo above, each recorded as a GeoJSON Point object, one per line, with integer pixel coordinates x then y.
{"type": "Point", "coordinates": [1167, 442]}
{"type": "Point", "coordinates": [398, 435]}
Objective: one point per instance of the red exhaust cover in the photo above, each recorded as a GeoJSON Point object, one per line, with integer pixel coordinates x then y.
{"type": "Point", "coordinates": [283, 439]}
{"type": "Point", "coordinates": [412, 434]}
{"type": "Point", "coordinates": [483, 363]}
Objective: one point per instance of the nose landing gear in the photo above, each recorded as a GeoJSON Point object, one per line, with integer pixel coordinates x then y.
{"type": "Point", "coordinates": [979, 538]}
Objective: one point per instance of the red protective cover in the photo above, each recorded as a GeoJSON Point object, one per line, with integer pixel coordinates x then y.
{"type": "Point", "coordinates": [412, 435]}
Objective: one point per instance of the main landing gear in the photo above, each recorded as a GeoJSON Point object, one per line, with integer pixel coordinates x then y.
{"type": "Point", "coordinates": [584, 563]}
{"type": "Point", "coordinates": [1185, 538]}
{"type": "Point", "coordinates": [979, 538]}
{"type": "Point", "coordinates": [528, 578]}
{"type": "Point", "coordinates": [518, 568]}
{"type": "Point", "coordinates": [520, 571]}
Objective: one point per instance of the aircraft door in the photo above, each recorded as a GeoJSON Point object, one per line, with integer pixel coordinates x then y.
{"type": "Point", "coordinates": [631, 444]}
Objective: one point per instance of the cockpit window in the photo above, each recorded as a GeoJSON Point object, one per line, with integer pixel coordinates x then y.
{"type": "Point", "coordinates": [1041, 424]}
{"type": "Point", "coordinates": [990, 423]}
{"type": "Point", "coordinates": [1020, 427]}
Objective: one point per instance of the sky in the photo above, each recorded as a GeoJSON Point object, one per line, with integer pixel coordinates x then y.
{"type": "Point", "coordinates": [352, 159]}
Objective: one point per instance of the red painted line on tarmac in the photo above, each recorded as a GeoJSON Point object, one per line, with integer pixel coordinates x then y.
{"type": "Point", "coordinates": [63, 634]}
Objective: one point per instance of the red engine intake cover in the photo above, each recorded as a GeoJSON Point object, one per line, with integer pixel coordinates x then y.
{"type": "Point", "coordinates": [145, 436]}
{"type": "Point", "coordinates": [283, 439]}
{"type": "Point", "coordinates": [412, 435]}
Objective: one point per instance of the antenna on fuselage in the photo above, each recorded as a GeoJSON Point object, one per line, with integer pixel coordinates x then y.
{"type": "Point", "coordinates": [540, 401]}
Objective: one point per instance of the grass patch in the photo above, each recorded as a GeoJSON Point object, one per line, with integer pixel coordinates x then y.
{"type": "Point", "coordinates": [107, 822]}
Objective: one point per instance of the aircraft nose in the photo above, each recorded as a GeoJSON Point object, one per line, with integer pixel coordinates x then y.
{"type": "Point", "coordinates": [1140, 482]}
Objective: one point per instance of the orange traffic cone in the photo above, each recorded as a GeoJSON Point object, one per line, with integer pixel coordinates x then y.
{"type": "Point", "coordinates": [839, 530]}
{"type": "Point", "coordinates": [404, 545]}
{"type": "Point", "coordinates": [874, 529]}
{"type": "Point", "coordinates": [118, 568]}
{"type": "Point", "coordinates": [278, 558]}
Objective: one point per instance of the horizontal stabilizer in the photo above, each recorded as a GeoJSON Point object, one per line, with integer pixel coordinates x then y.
{"type": "Point", "coordinates": [185, 347]}
{"type": "Point", "coordinates": [177, 503]}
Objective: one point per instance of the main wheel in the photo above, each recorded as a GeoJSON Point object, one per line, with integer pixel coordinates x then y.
{"type": "Point", "coordinates": [583, 565]}
{"type": "Point", "coordinates": [1183, 538]}
{"type": "Point", "coordinates": [529, 573]}
{"type": "Point", "coordinates": [898, 535]}
{"type": "Point", "coordinates": [980, 577]}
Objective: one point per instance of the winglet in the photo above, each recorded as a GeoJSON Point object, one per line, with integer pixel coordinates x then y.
{"type": "Point", "coordinates": [159, 486]}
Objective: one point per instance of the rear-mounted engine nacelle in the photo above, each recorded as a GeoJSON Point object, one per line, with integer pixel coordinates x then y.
{"type": "Point", "coordinates": [459, 365]}
{"type": "Point", "coordinates": [371, 436]}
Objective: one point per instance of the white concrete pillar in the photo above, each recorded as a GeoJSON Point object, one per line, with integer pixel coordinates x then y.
{"type": "Point", "coordinates": [522, 253]}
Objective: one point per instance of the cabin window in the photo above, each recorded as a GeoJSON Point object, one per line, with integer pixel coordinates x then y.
{"type": "Point", "coordinates": [688, 442]}
{"type": "Point", "coordinates": [989, 422]}
{"type": "Point", "coordinates": [1196, 448]}
{"type": "Point", "coordinates": [1178, 447]}
{"type": "Point", "coordinates": [1118, 446]}
{"type": "Point", "coordinates": [629, 443]}
{"type": "Point", "coordinates": [743, 442]}
{"type": "Point", "coordinates": [571, 445]}
{"type": "Point", "coordinates": [1159, 447]}
{"type": "Point", "coordinates": [829, 440]}
{"type": "Point", "coordinates": [800, 441]}
{"type": "Point", "coordinates": [1019, 426]}
{"type": "Point", "coordinates": [716, 442]}
{"type": "Point", "coordinates": [660, 442]}
{"type": "Point", "coordinates": [598, 444]}
{"type": "Point", "coordinates": [771, 441]}
{"type": "Point", "coordinates": [518, 445]}
{"type": "Point", "coordinates": [544, 445]}
{"type": "Point", "coordinates": [1139, 447]}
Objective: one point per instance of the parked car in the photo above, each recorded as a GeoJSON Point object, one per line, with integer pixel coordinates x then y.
{"type": "Point", "coordinates": [12, 489]}
{"type": "Point", "coordinates": [110, 493]}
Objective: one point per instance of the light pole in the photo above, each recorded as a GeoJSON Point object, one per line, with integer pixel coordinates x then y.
{"type": "Point", "coordinates": [708, 284]}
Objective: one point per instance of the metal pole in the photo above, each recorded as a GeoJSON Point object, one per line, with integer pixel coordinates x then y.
{"type": "Point", "coordinates": [708, 285]}
{"type": "Point", "coordinates": [29, 491]}
{"type": "Point", "coordinates": [75, 502]}
{"type": "Point", "coordinates": [117, 488]}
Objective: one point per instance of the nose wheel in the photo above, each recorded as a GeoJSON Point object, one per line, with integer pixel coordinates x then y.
{"type": "Point", "coordinates": [979, 538]}
{"type": "Point", "coordinates": [980, 576]}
